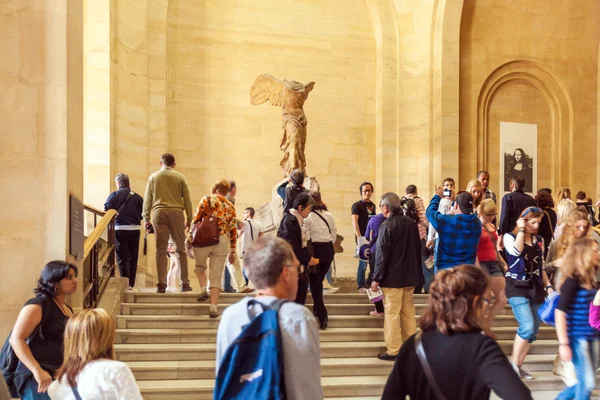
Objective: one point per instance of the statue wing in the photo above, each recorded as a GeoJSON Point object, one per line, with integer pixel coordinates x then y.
{"type": "Point", "coordinates": [266, 88]}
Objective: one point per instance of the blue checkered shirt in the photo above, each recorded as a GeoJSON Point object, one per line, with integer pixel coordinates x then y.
{"type": "Point", "coordinates": [458, 236]}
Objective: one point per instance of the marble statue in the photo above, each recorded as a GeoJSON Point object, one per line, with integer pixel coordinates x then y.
{"type": "Point", "coordinates": [290, 96]}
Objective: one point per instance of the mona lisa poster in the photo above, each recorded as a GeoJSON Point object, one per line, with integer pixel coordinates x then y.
{"type": "Point", "coordinates": [518, 154]}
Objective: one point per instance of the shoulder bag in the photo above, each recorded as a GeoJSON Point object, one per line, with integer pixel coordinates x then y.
{"type": "Point", "coordinates": [425, 365]}
{"type": "Point", "coordinates": [549, 222]}
{"type": "Point", "coordinates": [205, 233]}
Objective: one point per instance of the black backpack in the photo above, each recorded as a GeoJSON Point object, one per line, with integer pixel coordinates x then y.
{"type": "Point", "coordinates": [9, 360]}
{"type": "Point", "coordinates": [409, 208]}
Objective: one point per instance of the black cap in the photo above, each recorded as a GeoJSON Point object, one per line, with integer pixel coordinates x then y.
{"type": "Point", "coordinates": [465, 202]}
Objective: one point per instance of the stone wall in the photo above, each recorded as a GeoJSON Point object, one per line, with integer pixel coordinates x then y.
{"type": "Point", "coordinates": [214, 54]}
{"type": "Point", "coordinates": [41, 144]}
{"type": "Point", "coordinates": [543, 58]}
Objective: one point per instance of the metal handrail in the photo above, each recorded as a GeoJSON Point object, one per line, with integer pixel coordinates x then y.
{"type": "Point", "coordinates": [99, 259]}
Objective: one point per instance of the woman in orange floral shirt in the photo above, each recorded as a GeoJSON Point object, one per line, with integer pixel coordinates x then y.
{"type": "Point", "coordinates": [224, 212]}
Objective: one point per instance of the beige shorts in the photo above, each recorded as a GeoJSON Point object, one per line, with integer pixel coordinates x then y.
{"type": "Point", "coordinates": [213, 258]}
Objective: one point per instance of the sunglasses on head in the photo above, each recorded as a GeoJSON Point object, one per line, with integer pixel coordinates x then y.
{"type": "Point", "coordinates": [531, 209]}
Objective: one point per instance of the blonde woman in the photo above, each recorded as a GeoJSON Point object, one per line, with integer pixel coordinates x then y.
{"type": "Point", "coordinates": [563, 209]}
{"type": "Point", "coordinates": [576, 337]}
{"type": "Point", "coordinates": [89, 368]}
{"type": "Point", "coordinates": [488, 259]}
{"type": "Point", "coordinates": [475, 188]}
{"type": "Point", "coordinates": [563, 193]}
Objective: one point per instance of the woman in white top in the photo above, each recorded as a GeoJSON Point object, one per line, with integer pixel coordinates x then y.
{"type": "Point", "coordinates": [89, 370]}
{"type": "Point", "coordinates": [320, 228]}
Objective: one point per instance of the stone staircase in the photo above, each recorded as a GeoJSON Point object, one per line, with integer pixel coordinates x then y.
{"type": "Point", "coordinates": [168, 341]}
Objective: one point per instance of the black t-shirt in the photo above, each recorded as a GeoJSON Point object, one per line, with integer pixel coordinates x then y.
{"type": "Point", "coordinates": [466, 366]}
{"type": "Point", "coordinates": [47, 347]}
{"type": "Point", "coordinates": [364, 209]}
{"type": "Point", "coordinates": [535, 292]}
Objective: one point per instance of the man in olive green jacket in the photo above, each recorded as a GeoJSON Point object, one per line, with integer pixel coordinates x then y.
{"type": "Point", "coordinates": [167, 197]}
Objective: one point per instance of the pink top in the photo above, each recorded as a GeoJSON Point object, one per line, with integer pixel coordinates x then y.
{"type": "Point", "coordinates": [486, 250]}
{"type": "Point", "coordinates": [595, 316]}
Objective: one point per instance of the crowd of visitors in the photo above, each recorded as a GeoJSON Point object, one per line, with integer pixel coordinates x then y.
{"type": "Point", "coordinates": [457, 250]}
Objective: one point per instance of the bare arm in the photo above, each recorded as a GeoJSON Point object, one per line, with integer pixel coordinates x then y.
{"type": "Point", "coordinates": [355, 225]}
{"type": "Point", "coordinates": [29, 318]}
{"type": "Point", "coordinates": [560, 318]}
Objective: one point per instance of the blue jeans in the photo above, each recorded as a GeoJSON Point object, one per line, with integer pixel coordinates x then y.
{"type": "Point", "coordinates": [360, 274]}
{"type": "Point", "coordinates": [527, 317]}
{"type": "Point", "coordinates": [583, 361]}
{"type": "Point", "coordinates": [227, 281]}
{"type": "Point", "coordinates": [30, 391]}
{"type": "Point", "coordinates": [328, 275]}
{"type": "Point", "coordinates": [428, 275]}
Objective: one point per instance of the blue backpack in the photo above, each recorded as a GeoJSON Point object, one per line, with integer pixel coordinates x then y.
{"type": "Point", "coordinates": [252, 367]}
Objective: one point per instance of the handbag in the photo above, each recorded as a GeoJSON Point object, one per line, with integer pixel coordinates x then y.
{"type": "Point", "coordinates": [546, 310]}
{"type": "Point", "coordinates": [425, 364]}
{"type": "Point", "coordinates": [76, 393]}
{"type": "Point", "coordinates": [206, 232]}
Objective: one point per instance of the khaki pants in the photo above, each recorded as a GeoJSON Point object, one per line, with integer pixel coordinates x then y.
{"type": "Point", "coordinates": [235, 270]}
{"type": "Point", "coordinates": [399, 321]}
{"type": "Point", "coordinates": [218, 255]}
{"type": "Point", "coordinates": [169, 223]}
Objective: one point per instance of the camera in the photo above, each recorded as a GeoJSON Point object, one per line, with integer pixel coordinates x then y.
{"type": "Point", "coordinates": [447, 193]}
{"type": "Point", "coordinates": [150, 229]}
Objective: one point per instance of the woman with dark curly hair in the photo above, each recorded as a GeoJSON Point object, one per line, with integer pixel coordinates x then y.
{"type": "Point", "coordinates": [37, 337]}
{"type": "Point", "coordinates": [549, 219]}
{"type": "Point", "coordinates": [464, 363]}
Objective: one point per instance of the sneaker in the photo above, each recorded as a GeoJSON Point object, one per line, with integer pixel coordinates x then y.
{"type": "Point", "coordinates": [362, 290]}
{"type": "Point", "coordinates": [247, 290]}
{"type": "Point", "coordinates": [230, 290]}
{"type": "Point", "coordinates": [330, 290]}
{"type": "Point", "coordinates": [524, 374]}
{"type": "Point", "coordinates": [375, 313]}
{"type": "Point", "coordinates": [161, 288]}
{"type": "Point", "coordinates": [386, 357]}
{"type": "Point", "coordinates": [521, 372]}
{"type": "Point", "coordinates": [185, 287]}
{"type": "Point", "coordinates": [203, 296]}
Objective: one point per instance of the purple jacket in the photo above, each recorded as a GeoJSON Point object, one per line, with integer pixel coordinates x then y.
{"type": "Point", "coordinates": [373, 230]}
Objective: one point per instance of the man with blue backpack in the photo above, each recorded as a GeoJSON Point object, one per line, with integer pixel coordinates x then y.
{"type": "Point", "coordinates": [268, 346]}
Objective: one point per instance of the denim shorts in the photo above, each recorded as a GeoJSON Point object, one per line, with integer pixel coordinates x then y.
{"type": "Point", "coordinates": [527, 317]}
{"type": "Point", "coordinates": [491, 268]}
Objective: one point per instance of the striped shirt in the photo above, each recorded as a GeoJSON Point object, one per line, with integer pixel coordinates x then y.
{"type": "Point", "coordinates": [575, 302]}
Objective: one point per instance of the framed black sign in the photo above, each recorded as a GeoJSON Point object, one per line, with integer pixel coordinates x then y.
{"type": "Point", "coordinates": [76, 237]}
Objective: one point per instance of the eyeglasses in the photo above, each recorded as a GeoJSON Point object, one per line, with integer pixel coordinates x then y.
{"type": "Point", "coordinates": [486, 300]}
{"type": "Point", "coordinates": [299, 267]}
{"type": "Point", "coordinates": [531, 209]}
{"type": "Point", "coordinates": [491, 215]}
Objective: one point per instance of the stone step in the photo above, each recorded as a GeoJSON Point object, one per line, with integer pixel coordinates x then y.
{"type": "Point", "coordinates": [207, 351]}
{"type": "Point", "coordinates": [167, 370]}
{"type": "Point", "coordinates": [333, 387]}
{"type": "Point", "coordinates": [330, 335]}
{"type": "Point", "coordinates": [202, 309]}
{"type": "Point", "coordinates": [204, 322]}
{"type": "Point", "coordinates": [230, 298]}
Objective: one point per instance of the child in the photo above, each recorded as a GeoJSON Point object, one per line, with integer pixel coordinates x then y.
{"type": "Point", "coordinates": [174, 276]}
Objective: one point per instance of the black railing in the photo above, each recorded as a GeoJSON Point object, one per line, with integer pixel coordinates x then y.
{"type": "Point", "coordinates": [99, 255]}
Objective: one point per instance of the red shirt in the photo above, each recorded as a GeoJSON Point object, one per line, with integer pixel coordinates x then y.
{"type": "Point", "coordinates": [486, 251]}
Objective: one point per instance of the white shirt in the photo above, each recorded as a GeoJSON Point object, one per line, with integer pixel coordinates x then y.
{"type": "Point", "coordinates": [99, 380]}
{"type": "Point", "coordinates": [299, 339]}
{"type": "Point", "coordinates": [317, 228]}
{"type": "Point", "coordinates": [250, 231]}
